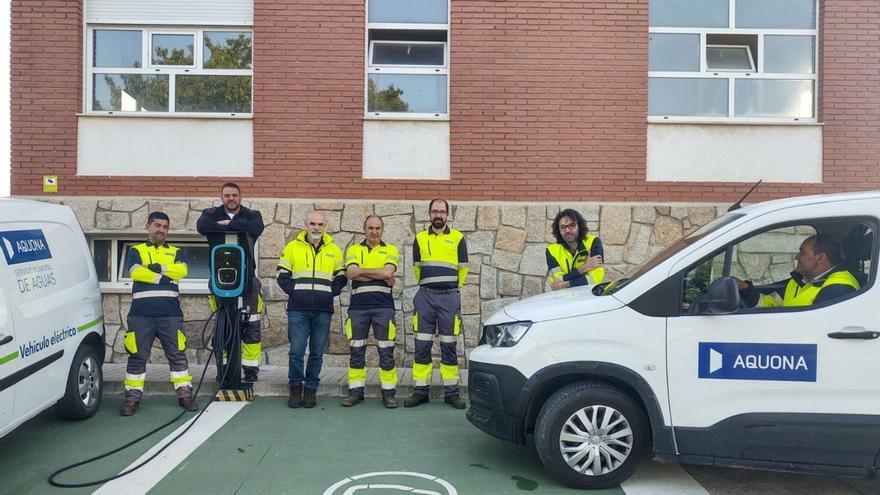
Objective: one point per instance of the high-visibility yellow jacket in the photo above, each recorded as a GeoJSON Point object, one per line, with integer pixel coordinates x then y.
{"type": "Point", "coordinates": [840, 282]}
{"type": "Point", "coordinates": [440, 260]}
{"type": "Point", "coordinates": [155, 271]}
{"type": "Point", "coordinates": [562, 264]}
{"type": "Point", "coordinates": [372, 293]}
{"type": "Point", "coordinates": [311, 275]}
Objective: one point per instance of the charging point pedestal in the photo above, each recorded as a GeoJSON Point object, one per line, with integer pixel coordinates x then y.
{"type": "Point", "coordinates": [230, 282]}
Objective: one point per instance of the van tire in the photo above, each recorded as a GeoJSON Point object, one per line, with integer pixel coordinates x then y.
{"type": "Point", "coordinates": [561, 412]}
{"type": "Point", "coordinates": [85, 386]}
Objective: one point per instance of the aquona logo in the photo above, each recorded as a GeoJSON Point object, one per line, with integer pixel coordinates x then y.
{"type": "Point", "coordinates": [774, 362]}
{"type": "Point", "coordinates": [28, 245]}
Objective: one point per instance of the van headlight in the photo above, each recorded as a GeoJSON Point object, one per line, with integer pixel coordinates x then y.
{"type": "Point", "coordinates": [505, 334]}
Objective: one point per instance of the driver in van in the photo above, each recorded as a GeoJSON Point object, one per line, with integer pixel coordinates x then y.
{"type": "Point", "coordinates": [818, 277]}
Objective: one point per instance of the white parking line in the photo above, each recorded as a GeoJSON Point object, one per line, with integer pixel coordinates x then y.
{"type": "Point", "coordinates": [145, 478]}
{"type": "Point", "coordinates": [654, 478]}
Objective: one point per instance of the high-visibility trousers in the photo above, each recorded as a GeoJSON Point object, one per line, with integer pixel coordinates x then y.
{"type": "Point", "coordinates": [357, 329]}
{"type": "Point", "coordinates": [436, 312]}
{"type": "Point", "coordinates": [139, 337]}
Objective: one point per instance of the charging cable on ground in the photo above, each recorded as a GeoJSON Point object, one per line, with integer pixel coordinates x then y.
{"type": "Point", "coordinates": [54, 482]}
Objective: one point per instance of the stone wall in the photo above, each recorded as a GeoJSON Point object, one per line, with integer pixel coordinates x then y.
{"type": "Point", "coordinates": [506, 242]}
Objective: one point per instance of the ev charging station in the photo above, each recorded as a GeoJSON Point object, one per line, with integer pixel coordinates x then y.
{"type": "Point", "coordinates": [231, 281]}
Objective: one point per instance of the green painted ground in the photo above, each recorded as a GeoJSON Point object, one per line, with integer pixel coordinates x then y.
{"type": "Point", "coordinates": [271, 449]}
{"type": "Point", "coordinates": [268, 448]}
{"type": "Point", "coordinates": [45, 443]}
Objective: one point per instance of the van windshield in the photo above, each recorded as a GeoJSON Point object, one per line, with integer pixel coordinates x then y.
{"type": "Point", "coordinates": [674, 248]}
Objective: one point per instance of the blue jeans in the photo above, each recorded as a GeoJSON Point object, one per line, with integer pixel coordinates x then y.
{"type": "Point", "coordinates": [312, 328]}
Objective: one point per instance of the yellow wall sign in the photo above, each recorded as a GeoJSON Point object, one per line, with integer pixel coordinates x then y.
{"type": "Point", "coordinates": [50, 183]}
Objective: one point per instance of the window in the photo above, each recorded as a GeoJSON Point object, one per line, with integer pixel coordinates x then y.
{"type": "Point", "coordinates": [110, 255]}
{"type": "Point", "coordinates": [767, 258]}
{"type": "Point", "coordinates": [747, 61]}
{"type": "Point", "coordinates": [407, 59]}
{"type": "Point", "coordinates": [179, 71]}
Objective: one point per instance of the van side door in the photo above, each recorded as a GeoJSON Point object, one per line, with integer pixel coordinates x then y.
{"type": "Point", "coordinates": [779, 385]}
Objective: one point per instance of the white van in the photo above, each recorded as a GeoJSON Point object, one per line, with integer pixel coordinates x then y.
{"type": "Point", "coordinates": [51, 321]}
{"type": "Point", "coordinates": [668, 360]}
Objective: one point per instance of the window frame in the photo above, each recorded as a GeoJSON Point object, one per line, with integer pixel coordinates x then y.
{"type": "Point", "coordinates": [172, 71]}
{"type": "Point", "coordinates": [121, 283]}
{"type": "Point", "coordinates": [732, 76]}
{"type": "Point", "coordinates": [872, 222]}
{"type": "Point", "coordinates": [370, 68]}
{"type": "Point", "coordinates": [748, 52]}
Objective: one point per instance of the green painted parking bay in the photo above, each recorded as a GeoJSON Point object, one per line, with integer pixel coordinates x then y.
{"type": "Point", "coordinates": [265, 447]}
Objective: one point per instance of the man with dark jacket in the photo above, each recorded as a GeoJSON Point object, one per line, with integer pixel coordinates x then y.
{"type": "Point", "coordinates": [233, 217]}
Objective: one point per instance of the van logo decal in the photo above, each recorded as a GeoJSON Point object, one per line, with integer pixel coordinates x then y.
{"type": "Point", "coordinates": [23, 246]}
{"type": "Point", "coordinates": [757, 361]}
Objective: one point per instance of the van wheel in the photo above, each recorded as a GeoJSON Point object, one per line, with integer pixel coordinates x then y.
{"type": "Point", "coordinates": [85, 382]}
{"type": "Point", "coordinates": [591, 435]}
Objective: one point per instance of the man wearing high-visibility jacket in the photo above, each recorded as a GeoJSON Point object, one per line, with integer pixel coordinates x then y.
{"type": "Point", "coordinates": [233, 217]}
{"type": "Point", "coordinates": [311, 272]}
{"type": "Point", "coordinates": [155, 268]}
{"type": "Point", "coordinates": [370, 265]}
{"type": "Point", "coordinates": [576, 257]}
{"type": "Point", "coordinates": [440, 265]}
{"type": "Point", "coordinates": [817, 278]}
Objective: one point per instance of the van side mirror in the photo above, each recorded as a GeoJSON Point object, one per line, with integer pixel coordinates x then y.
{"type": "Point", "coordinates": [722, 298]}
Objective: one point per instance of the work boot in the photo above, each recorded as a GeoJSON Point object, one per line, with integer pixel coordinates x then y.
{"type": "Point", "coordinates": [295, 399]}
{"type": "Point", "coordinates": [188, 403]}
{"type": "Point", "coordinates": [129, 407]}
{"type": "Point", "coordinates": [310, 398]}
{"type": "Point", "coordinates": [353, 399]}
{"type": "Point", "coordinates": [415, 399]}
{"type": "Point", "coordinates": [455, 401]}
{"type": "Point", "coordinates": [389, 400]}
{"type": "Point", "coordinates": [250, 374]}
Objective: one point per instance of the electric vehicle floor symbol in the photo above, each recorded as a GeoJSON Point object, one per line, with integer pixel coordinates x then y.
{"type": "Point", "coordinates": [387, 481]}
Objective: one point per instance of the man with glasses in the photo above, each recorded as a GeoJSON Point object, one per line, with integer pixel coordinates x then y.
{"type": "Point", "coordinates": [576, 257]}
{"type": "Point", "coordinates": [440, 265]}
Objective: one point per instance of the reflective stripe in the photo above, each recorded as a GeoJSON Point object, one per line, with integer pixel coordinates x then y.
{"type": "Point", "coordinates": [443, 264]}
{"type": "Point", "coordinates": [255, 317]}
{"type": "Point", "coordinates": [285, 265]}
{"type": "Point", "coordinates": [385, 343]}
{"type": "Point", "coordinates": [388, 378]}
{"type": "Point", "coordinates": [358, 342]}
{"type": "Point", "coordinates": [434, 280]}
{"type": "Point", "coordinates": [356, 383]}
{"type": "Point", "coordinates": [424, 336]}
{"type": "Point", "coordinates": [556, 270]}
{"type": "Point", "coordinates": [372, 288]}
{"type": "Point", "coordinates": [181, 379]}
{"type": "Point", "coordinates": [311, 274]}
{"type": "Point", "coordinates": [248, 362]}
{"type": "Point", "coordinates": [315, 287]}
{"type": "Point", "coordinates": [135, 382]}
{"type": "Point", "coordinates": [450, 381]}
{"type": "Point", "coordinates": [154, 293]}
{"type": "Point", "coordinates": [446, 339]}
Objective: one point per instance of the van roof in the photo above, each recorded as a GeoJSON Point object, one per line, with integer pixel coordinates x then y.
{"type": "Point", "coordinates": [27, 210]}
{"type": "Point", "coordinates": [778, 204]}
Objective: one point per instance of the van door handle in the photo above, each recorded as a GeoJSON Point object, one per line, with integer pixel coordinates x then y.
{"type": "Point", "coordinates": [866, 335]}
{"type": "Point", "coordinates": [5, 339]}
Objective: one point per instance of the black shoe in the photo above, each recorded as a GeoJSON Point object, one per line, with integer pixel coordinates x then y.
{"type": "Point", "coordinates": [250, 374]}
{"type": "Point", "coordinates": [295, 398]}
{"type": "Point", "coordinates": [352, 400]}
{"type": "Point", "coordinates": [129, 407]}
{"type": "Point", "coordinates": [309, 398]}
{"type": "Point", "coordinates": [389, 401]}
{"type": "Point", "coordinates": [415, 400]}
{"type": "Point", "coordinates": [188, 403]}
{"type": "Point", "coordinates": [455, 401]}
